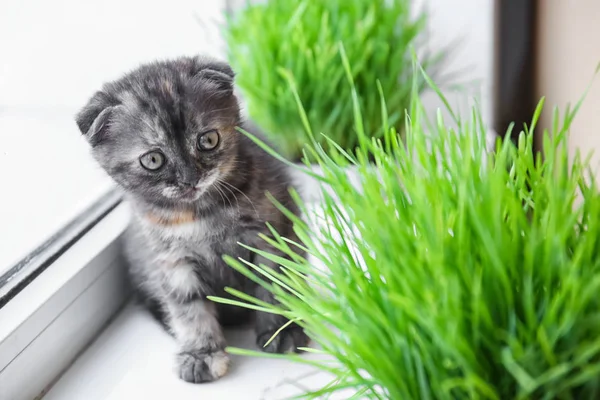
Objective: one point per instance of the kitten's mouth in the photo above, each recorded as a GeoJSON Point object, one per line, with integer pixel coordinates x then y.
{"type": "Point", "coordinates": [191, 194]}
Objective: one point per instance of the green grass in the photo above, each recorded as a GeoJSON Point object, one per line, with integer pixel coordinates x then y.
{"type": "Point", "coordinates": [277, 45]}
{"type": "Point", "coordinates": [450, 274]}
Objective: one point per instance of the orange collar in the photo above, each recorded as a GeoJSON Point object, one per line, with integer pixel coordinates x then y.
{"type": "Point", "coordinates": [174, 218]}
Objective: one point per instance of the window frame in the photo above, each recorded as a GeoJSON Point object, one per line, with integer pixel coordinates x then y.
{"type": "Point", "coordinates": [61, 298]}
{"type": "Point", "coordinates": [17, 277]}
{"type": "Point", "coordinates": [514, 97]}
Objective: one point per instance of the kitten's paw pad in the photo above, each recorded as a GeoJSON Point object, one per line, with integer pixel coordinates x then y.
{"type": "Point", "coordinates": [286, 341]}
{"type": "Point", "coordinates": [201, 366]}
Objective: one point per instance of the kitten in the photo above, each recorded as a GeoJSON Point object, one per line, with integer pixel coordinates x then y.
{"type": "Point", "coordinates": [166, 133]}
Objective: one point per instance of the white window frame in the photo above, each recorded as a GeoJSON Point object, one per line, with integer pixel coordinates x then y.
{"type": "Point", "coordinates": [59, 311]}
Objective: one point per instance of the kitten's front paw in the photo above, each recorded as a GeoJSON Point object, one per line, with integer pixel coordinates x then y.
{"type": "Point", "coordinates": [202, 366]}
{"type": "Point", "coordinates": [286, 341]}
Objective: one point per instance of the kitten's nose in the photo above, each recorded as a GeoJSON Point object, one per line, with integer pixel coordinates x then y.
{"type": "Point", "coordinates": [187, 183]}
{"type": "Point", "coordinates": [188, 179]}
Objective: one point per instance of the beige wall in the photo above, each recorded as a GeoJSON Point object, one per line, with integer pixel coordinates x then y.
{"type": "Point", "coordinates": [568, 52]}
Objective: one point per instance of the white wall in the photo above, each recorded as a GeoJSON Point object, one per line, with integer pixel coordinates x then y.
{"type": "Point", "coordinates": [57, 52]}
{"type": "Point", "coordinates": [568, 54]}
{"type": "Point", "coordinates": [468, 26]}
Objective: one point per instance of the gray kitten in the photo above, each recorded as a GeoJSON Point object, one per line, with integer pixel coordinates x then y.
{"type": "Point", "coordinates": [166, 133]}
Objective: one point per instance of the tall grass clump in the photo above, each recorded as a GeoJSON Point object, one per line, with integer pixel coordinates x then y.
{"type": "Point", "coordinates": [448, 273]}
{"type": "Point", "coordinates": [274, 42]}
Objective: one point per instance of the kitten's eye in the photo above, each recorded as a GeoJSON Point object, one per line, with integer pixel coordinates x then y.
{"type": "Point", "coordinates": [152, 161]}
{"type": "Point", "coordinates": [208, 140]}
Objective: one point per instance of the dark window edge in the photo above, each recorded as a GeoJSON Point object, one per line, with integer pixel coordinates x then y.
{"type": "Point", "coordinates": [514, 67]}
{"type": "Point", "coordinates": [16, 278]}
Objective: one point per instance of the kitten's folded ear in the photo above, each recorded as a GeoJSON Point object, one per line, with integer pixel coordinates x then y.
{"type": "Point", "coordinates": [213, 72]}
{"type": "Point", "coordinates": [93, 119]}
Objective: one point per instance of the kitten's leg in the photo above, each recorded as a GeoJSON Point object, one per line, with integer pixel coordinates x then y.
{"type": "Point", "coordinates": [288, 340]}
{"type": "Point", "coordinates": [202, 357]}
{"type": "Point", "coordinates": [267, 324]}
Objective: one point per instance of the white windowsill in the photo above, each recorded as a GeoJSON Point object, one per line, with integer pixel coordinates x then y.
{"type": "Point", "coordinates": [134, 359]}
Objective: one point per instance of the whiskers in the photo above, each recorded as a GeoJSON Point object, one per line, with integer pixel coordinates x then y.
{"type": "Point", "coordinates": [223, 196]}
{"type": "Point", "coordinates": [230, 188]}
